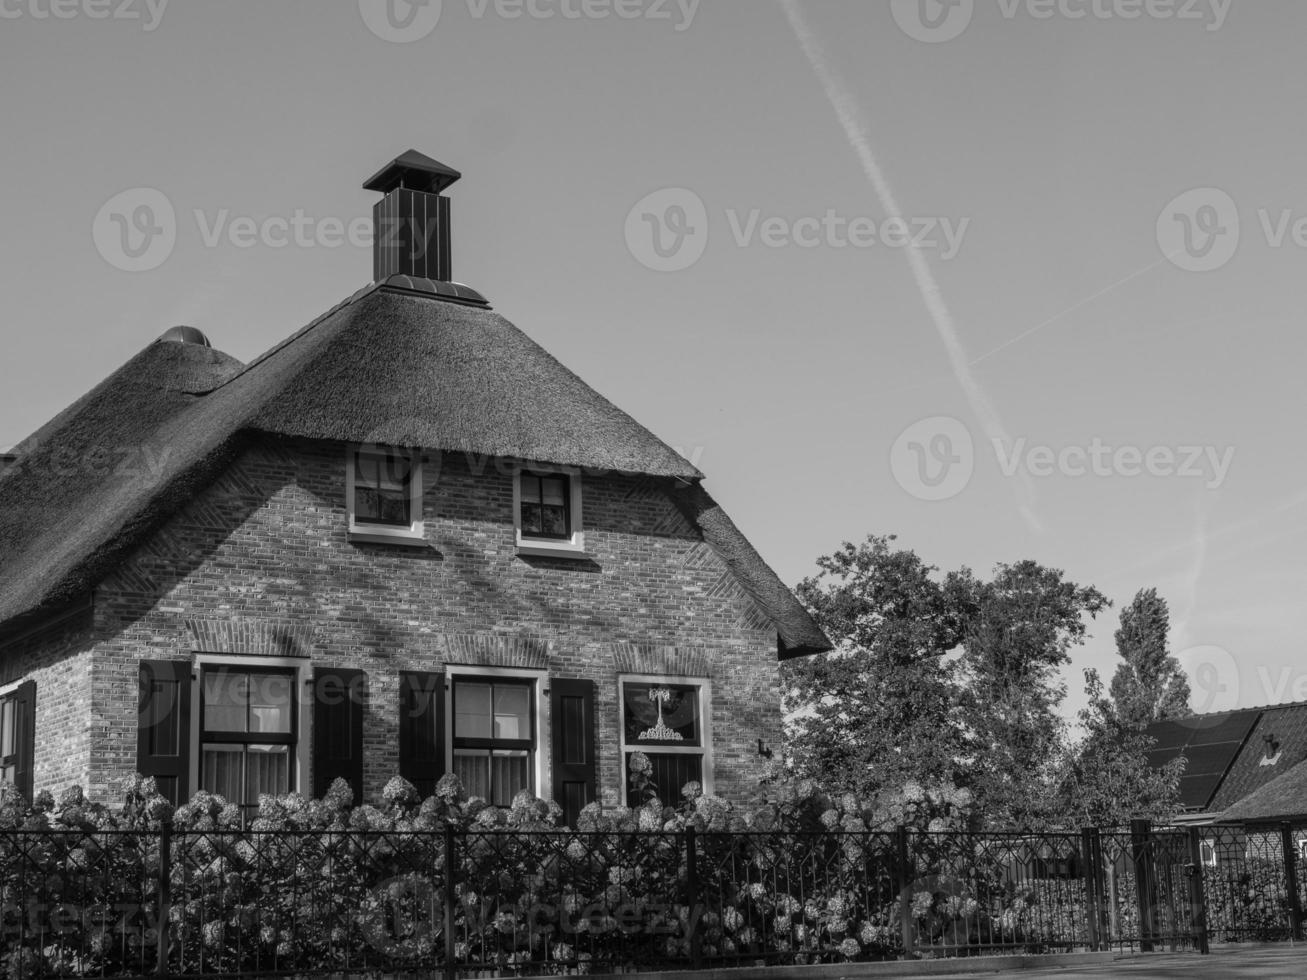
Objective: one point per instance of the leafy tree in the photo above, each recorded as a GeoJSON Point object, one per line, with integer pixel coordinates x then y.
{"type": "Point", "coordinates": [1149, 684]}
{"type": "Point", "coordinates": [883, 708]}
{"type": "Point", "coordinates": [1108, 780]}
{"type": "Point", "coordinates": [1017, 639]}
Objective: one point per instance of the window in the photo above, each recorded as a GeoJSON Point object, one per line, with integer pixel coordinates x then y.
{"type": "Point", "coordinates": [18, 736]}
{"type": "Point", "coordinates": [665, 719]}
{"type": "Point", "coordinates": [494, 736]}
{"type": "Point", "coordinates": [384, 492]}
{"type": "Point", "coordinates": [247, 732]}
{"type": "Point", "coordinates": [547, 507]}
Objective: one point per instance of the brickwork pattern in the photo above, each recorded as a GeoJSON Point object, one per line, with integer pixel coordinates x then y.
{"type": "Point", "coordinates": [260, 564]}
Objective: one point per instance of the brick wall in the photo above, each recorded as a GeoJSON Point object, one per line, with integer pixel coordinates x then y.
{"type": "Point", "coordinates": [260, 561]}
{"type": "Point", "coordinates": [58, 659]}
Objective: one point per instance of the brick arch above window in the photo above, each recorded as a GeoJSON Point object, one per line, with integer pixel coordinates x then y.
{"type": "Point", "coordinates": [480, 650]}
{"type": "Point", "coordinates": [668, 661]}
{"type": "Point", "coordinates": [250, 637]}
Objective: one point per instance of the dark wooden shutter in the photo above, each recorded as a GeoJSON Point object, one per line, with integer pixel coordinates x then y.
{"type": "Point", "coordinates": [337, 729]}
{"type": "Point", "coordinates": [24, 702]}
{"type": "Point", "coordinates": [163, 727]}
{"type": "Point", "coordinates": [573, 745]}
{"type": "Point", "coordinates": [422, 729]}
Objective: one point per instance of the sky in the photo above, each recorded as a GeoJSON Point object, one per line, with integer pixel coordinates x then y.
{"type": "Point", "coordinates": [1006, 278]}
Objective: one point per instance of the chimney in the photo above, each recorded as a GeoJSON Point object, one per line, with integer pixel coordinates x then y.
{"type": "Point", "coordinates": [411, 222]}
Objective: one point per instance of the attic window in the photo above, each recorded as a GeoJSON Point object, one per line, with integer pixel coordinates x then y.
{"type": "Point", "coordinates": [547, 513]}
{"type": "Point", "coordinates": [384, 495]}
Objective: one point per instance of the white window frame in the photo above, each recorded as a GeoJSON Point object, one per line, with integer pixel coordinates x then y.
{"type": "Point", "coordinates": [12, 688]}
{"type": "Point", "coordinates": [302, 700]}
{"type": "Point", "coordinates": [546, 547]}
{"type": "Point", "coordinates": [705, 726]}
{"type": "Point", "coordinates": [362, 531]}
{"type": "Point", "coordinates": [540, 768]}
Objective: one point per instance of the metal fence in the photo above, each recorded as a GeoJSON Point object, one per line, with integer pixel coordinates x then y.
{"type": "Point", "coordinates": [490, 903]}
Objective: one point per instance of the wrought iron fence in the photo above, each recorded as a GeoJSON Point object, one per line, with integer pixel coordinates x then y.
{"type": "Point", "coordinates": [501, 902]}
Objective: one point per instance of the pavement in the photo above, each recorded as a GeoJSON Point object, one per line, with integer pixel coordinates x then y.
{"type": "Point", "coordinates": [1223, 963]}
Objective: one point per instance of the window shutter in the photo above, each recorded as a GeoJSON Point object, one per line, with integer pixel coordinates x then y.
{"type": "Point", "coordinates": [25, 729]}
{"type": "Point", "coordinates": [337, 729]}
{"type": "Point", "coordinates": [163, 727]}
{"type": "Point", "coordinates": [573, 745]}
{"type": "Point", "coordinates": [422, 729]}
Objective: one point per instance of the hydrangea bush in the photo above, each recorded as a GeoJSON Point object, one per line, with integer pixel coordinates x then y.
{"type": "Point", "coordinates": [795, 876]}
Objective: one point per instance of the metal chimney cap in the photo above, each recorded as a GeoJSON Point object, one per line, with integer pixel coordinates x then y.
{"type": "Point", "coordinates": [414, 171]}
{"type": "Point", "coordinates": [186, 335]}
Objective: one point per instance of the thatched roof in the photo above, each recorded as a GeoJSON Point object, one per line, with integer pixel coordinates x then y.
{"type": "Point", "coordinates": [798, 634]}
{"type": "Point", "coordinates": [1283, 798]}
{"type": "Point", "coordinates": [397, 363]}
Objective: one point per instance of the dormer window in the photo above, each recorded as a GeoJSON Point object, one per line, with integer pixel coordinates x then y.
{"type": "Point", "coordinates": [547, 513]}
{"type": "Point", "coordinates": [385, 495]}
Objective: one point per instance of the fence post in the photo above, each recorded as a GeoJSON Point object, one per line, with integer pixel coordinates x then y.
{"type": "Point", "coordinates": [164, 909]}
{"type": "Point", "coordinates": [904, 864]}
{"type": "Point", "coordinates": [1198, 889]}
{"type": "Point", "coordinates": [692, 893]}
{"type": "Point", "coordinates": [1291, 881]}
{"type": "Point", "coordinates": [451, 899]}
{"type": "Point", "coordinates": [1141, 847]}
{"type": "Point", "coordinates": [1093, 875]}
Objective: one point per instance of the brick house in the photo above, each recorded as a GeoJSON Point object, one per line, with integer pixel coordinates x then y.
{"type": "Point", "coordinates": [404, 540]}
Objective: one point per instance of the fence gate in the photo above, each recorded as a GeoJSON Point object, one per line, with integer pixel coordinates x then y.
{"type": "Point", "coordinates": [1147, 890]}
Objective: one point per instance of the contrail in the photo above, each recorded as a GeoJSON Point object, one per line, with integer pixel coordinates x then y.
{"type": "Point", "coordinates": [846, 109]}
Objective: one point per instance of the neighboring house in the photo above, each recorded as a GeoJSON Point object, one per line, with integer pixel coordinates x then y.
{"type": "Point", "coordinates": [405, 540]}
{"type": "Point", "coordinates": [1243, 766]}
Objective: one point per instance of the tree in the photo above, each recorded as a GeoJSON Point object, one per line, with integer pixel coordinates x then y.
{"type": "Point", "coordinates": [1107, 780]}
{"type": "Point", "coordinates": [1017, 639]}
{"type": "Point", "coordinates": [882, 709]}
{"type": "Point", "coordinates": [937, 681]}
{"type": "Point", "coordinates": [1149, 684]}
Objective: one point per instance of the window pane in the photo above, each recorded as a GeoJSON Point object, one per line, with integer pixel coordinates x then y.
{"type": "Point", "coordinates": [267, 770]}
{"type": "Point", "coordinates": [533, 521]}
{"type": "Point", "coordinates": [670, 773]}
{"type": "Point", "coordinates": [8, 718]}
{"type": "Point", "coordinates": [530, 489]}
{"type": "Point", "coordinates": [510, 774]}
{"type": "Point", "coordinates": [221, 771]}
{"type": "Point", "coordinates": [366, 470]}
{"type": "Point", "coordinates": [553, 522]}
{"type": "Point", "coordinates": [472, 711]}
{"type": "Point", "coordinates": [270, 702]}
{"type": "Point", "coordinates": [472, 766]}
{"type": "Point", "coordinates": [661, 712]}
{"type": "Point", "coordinates": [512, 711]}
{"type": "Point", "coordinates": [554, 492]}
{"type": "Point", "coordinates": [224, 701]}
{"type": "Point", "coordinates": [393, 506]}
{"type": "Point", "coordinates": [9, 774]}
{"type": "Point", "coordinates": [395, 472]}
